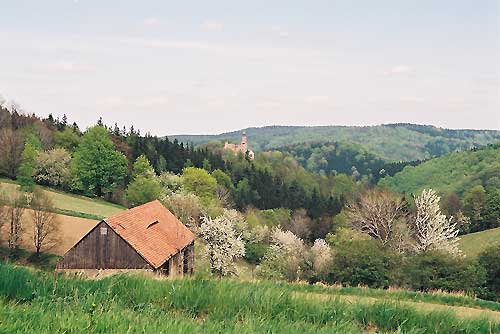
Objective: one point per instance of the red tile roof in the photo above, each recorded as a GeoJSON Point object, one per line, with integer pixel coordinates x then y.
{"type": "Point", "coordinates": [152, 230]}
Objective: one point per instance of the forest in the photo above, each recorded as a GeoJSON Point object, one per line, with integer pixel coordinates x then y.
{"type": "Point", "coordinates": [391, 142]}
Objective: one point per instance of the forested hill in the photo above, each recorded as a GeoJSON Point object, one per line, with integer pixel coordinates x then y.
{"type": "Point", "coordinates": [455, 172]}
{"type": "Point", "coordinates": [392, 142]}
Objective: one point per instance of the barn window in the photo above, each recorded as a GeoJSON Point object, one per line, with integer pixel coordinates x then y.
{"type": "Point", "coordinates": [104, 230]}
{"type": "Point", "coordinates": [153, 223]}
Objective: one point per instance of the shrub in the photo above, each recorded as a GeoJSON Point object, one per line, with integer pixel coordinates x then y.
{"type": "Point", "coordinates": [286, 259]}
{"type": "Point", "coordinates": [489, 259]}
{"type": "Point", "coordinates": [52, 168]}
{"type": "Point", "coordinates": [363, 262]}
{"type": "Point", "coordinates": [435, 270]}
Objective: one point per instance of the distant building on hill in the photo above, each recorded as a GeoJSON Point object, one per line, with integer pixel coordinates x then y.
{"type": "Point", "coordinates": [243, 147]}
{"type": "Point", "coordinates": [147, 237]}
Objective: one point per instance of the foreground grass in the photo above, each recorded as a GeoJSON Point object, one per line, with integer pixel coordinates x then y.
{"type": "Point", "coordinates": [69, 204]}
{"type": "Point", "coordinates": [474, 243]}
{"type": "Point", "coordinates": [32, 301]}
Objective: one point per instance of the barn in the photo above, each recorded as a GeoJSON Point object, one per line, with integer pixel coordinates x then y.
{"type": "Point", "coordinates": [146, 237]}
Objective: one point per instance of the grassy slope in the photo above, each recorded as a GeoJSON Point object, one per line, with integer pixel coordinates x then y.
{"type": "Point", "coordinates": [455, 172]}
{"type": "Point", "coordinates": [474, 243]}
{"type": "Point", "coordinates": [394, 143]}
{"type": "Point", "coordinates": [44, 303]}
{"type": "Point", "coordinates": [69, 204]}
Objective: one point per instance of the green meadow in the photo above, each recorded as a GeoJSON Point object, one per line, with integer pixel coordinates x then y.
{"type": "Point", "coordinates": [34, 301]}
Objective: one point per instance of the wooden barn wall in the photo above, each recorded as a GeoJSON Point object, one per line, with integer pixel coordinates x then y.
{"type": "Point", "coordinates": [102, 251]}
{"type": "Point", "coordinates": [181, 263]}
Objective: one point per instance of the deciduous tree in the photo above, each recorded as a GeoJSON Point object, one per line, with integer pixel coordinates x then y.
{"type": "Point", "coordinates": [11, 147]}
{"type": "Point", "coordinates": [321, 258]}
{"type": "Point", "coordinates": [376, 213]}
{"type": "Point", "coordinates": [199, 182]}
{"type": "Point", "coordinates": [45, 224]}
{"type": "Point", "coordinates": [144, 186]}
{"type": "Point", "coordinates": [52, 168]}
{"type": "Point", "coordinates": [223, 246]}
{"type": "Point", "coordinates": [30, 153]}
{"type": "Point", "coordinates": [434, 231]}
{"type": "Point", "coordinates": [15, 210]}
{"type": "Point", "coordinates": [97, 166]}
{"type": "Point", "coordinates": [287, 258]}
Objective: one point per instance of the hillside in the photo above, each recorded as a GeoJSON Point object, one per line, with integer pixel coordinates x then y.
{"type": "Point", "coordinates": [392, 142]}
{"type": "Point", "coordinates": [37, 302]}
{"type": "Point", "coordinates": [474, 243]}
{"type": "Point", "coordinates": [454, 172]}
{"type": "Point", "coordinates": [70, 204]}
{"type": "Point", "coordinates": [343, 158]}
{"type": "Point", "coordinates": [75, 215]}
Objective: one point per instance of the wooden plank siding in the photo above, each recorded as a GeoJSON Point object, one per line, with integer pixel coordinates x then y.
{"type": "Point", "coordinates": [102, 248]}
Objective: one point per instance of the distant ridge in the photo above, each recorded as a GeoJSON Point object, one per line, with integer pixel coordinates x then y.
{"type": "Point", "coordinates": [392, 142]}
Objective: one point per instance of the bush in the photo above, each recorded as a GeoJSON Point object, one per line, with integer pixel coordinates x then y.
{"type": "Point", "coordinates": [254, 252]}
{"type": "Point", "coordinates": [52, 168]}
{"type": "Point", "coordinates": [363, 262]}
{"type": "Point", "coordinates": [436, 270]}
{"type": "Point", "coordinates": [489, 259]}
{"type": "Point", "coordinates": [142, 190]}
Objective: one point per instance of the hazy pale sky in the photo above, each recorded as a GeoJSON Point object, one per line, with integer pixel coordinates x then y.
{"type": "Point", "coordinates": [173, 67]}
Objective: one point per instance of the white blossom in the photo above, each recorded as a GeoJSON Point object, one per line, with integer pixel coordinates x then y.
{"type": "Point", "coordinates": [223, 246]}
{"type": "Point", "coordinates": [433, 229]}
{"type": "Point", "coordinates": [322, 257]}
{"type": "Point", "coordinates": [286, 257]}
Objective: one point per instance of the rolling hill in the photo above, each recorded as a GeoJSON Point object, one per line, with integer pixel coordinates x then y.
{"type": "Point", "coordinates": [454, 172]}
{"type": "Point", "coordinates": [474, 243]}
{"type": "Point", "coordinates": [392, 142]}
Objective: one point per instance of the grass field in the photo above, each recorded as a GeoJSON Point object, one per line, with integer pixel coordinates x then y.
{"type": "Point", "coordinates": [41, 302]}
{"type": "Point", "coordinates": [474, 243]}
{"type": "Point", "coordinates": [71, 205]}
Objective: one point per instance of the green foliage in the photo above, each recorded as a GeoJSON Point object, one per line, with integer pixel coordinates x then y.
{"type": "Point", "coordinates": [30, 153]}
{"type": "Point", "coordinates": [363, 262]}
{"type": "Point", "coordinates": [222, 179]}
{"type": "Point", "coordinates": [339, 157]}
{"type": "Point", "coordinates": [97, 167]}
{"type": "Point", "coordinates": [392, 142]}
{"type": "Point", "coordinates": [491, 217]}
{"type": "Point", "coordinates": [144, 186]}
{"type": "Point", "coordinates": [254, 252]}
{"type": "Point", "coordinates": [473, 203]}
{"type": "Point", "coordinates": [244, 194]}
{"type": "Point", "coordinates": [199, 182]}
{"type": "Point", "coordinates": [142, 167]}
{"type": "Point", "coordinates": [142, 190]}
{"type": "Point", "coordinates": [436, 270]}
{"type": "Point", "coordinates": [344, 236]}
{"type": "Point", "coordinates": [466, 173]}
{"type": "Point", "coordinates": [490, 261]}
{"type": "Point", "coordinates": [67, 139]}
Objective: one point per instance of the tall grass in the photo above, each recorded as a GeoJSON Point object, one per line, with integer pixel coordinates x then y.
{"type": "Point", "coordinates": [452, 299]}
{"type": "Point", "coordinates": [32, 301]}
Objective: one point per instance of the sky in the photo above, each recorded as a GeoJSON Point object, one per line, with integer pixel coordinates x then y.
{"type": "Point", "coordinates": [205, 67]}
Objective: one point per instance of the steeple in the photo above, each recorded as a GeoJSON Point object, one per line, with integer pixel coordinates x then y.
{"type": "Point", "coordinates": [244, 141]}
